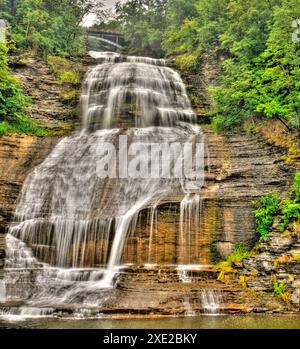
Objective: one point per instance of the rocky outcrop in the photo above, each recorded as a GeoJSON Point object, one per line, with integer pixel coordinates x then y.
{"type": "Point", "coordinates": [240, 169]}
{"type": "Point", "coordinates": [44, 90]}
{"type": "Point", "coordinates": [277, 261]}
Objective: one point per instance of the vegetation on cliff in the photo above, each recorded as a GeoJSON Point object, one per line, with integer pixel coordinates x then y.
{"type": "Point", "coordinates": [13, 102]}
{"type": "Point", "coordinates": [265, 211]}
{"type": "Point", "coordinates": [270, 206]}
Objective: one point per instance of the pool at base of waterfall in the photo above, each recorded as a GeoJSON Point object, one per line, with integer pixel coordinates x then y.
{"type": "Point", "coordinates": [202, 322]}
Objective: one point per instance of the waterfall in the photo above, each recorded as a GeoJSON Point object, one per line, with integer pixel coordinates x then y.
{"type": "Point", "coordinates": [189, 225]}
{"type": "Point", "coordinates": [71, 223]}
{"type": "Point", "coordinates": [138, 91]}
{"type": "Point", "coordinates": [184, 276]}
{"type": "Point", "coordinates": [2, 292]}
{"type": "Point", "coordinates": [211, 301]}
{"type": "Point", "coordinates": [189, 312]}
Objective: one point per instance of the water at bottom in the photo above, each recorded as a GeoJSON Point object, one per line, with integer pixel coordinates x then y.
{"type": "Point", "coordinates": [202, 322]}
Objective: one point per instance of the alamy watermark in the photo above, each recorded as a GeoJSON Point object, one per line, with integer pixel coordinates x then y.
{"type": "Point", "coordinates": [137, 160]}
{"type": "Point", "coordinates": [2, 292]}
{"type": "Point", "coordinates": [296, 32]}
{"type": "Point", "coordinates": [3, 30]}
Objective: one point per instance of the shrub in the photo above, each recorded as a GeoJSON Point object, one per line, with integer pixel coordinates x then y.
{"type": "Point", "coordinates": [12, 100]}
{"type": "Point", "coordinates": [187, 62]}
{"type": "Point", "coordinates": [278, 288]}
{"type": "Point", "coordinates": [69, 77]}
{"type": "Point", "coordinates": [296, 187]}
{"type": "Point", "coordinates": [65, 70]}
{"type": "Point", "coordinates": [13, 103]}
{"type": "Point", "coordinates": [222, 123]}
{"type": "Point", "coordinates": [280, 291]}
{"type": "Point", "coordinates": [239, 253]}
{"type": "Point", "coordinates": [291, 207]}
{"type": "Point", "coordinates": [265, 211]}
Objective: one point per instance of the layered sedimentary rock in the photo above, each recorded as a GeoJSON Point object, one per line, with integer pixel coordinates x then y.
{"type": "Point", "coordinates": [276, 262]}
{"type": "Point", "coordinates": [238, 169]}
{"type": "Point", "coordinates": [242, 169]}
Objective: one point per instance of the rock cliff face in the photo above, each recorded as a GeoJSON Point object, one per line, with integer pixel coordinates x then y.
{"type": "Point", "coordinates": [277, 261]}
{"type": "Point", "coordinates": [44, 90]}
{"type": "Point", "coordinates": [198, 83]}
{"type": "Point", "coordinates": [240, 168]}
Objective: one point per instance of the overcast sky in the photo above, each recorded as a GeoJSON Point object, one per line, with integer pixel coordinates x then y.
{"type": "Point", "coordinates": [89, 20]}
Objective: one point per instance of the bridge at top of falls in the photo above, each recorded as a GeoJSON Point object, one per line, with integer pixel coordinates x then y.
{"type": "Point", "coordinates": [114, 39]}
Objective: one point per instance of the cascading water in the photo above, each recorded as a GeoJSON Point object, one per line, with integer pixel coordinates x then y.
{"type": "Point", "coordinates": [72, 224]}
{"type": "Point", "coordinates": [189, 225]}
{"type": "Point", "coordinates": [138, 91]}
{"type": "Point", "coordinates": [212, 301]}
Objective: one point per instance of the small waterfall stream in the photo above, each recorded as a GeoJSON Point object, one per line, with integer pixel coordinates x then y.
{"type": "Point", "coordinates": [212, 301]}
{"type": "Point", "coordinates": [72, 224]}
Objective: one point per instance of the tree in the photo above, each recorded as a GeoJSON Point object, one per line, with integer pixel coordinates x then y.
{"type": "Point", "coordinates": [277, 74]}
{"type": "Point", "coordinates": [143, 23]}
{"type": "Point", "coordinates": [194, 29]}
{"type": "Point", "coordinates": [254, 82]}
{"type": "Point", "coordinates": [12, 100]}
{"type": "Point", "coordinates": [50, 26]}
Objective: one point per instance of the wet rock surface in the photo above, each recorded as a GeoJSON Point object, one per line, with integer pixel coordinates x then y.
{"type": "Point", "coordinates": [241, 168]}
{"type": "Point", "coordinates": [154, 292]}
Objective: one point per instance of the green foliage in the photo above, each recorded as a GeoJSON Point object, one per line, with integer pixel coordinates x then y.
{"type": "Point", "coordinates": [221, 123]}
{"type": "Point", "coordinates": [278, 288]}
{"type": "Point", "coordinates": [296, 187]}
{"type": "Point", "coordinates": [111, 25]}
{"type": "Point", "coordinates": [12, 100]}
{"type": "Point", "coordinates": [49, 27]}
{"type": "Point", "coordinates": [239, 254]}
{"type": "Point", "coordinates": [23, 124]}
{"type": "Point", "coordinates": [269, 206]}
{"type": "Point", "coordinates": [280, 291]}
{"type": "Point", "coordinates": [143, 23]}
{"type": "Point", "coordinates": [290, 213]}
{"type": "Point", "coordinates": [187, 62]}
{"type": "Point", "coordinates": [260, 75]}
{"type": "Point", "coordinates": [291, 207]}
{"type": "Point", "coordinates": [194, 26]}
{"type": "Point", "coordinates": [65, 71]}
{"type": "Point", "coordinates": [265, 211]}
{"type": "Point", "coordinates": [13, 103]}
